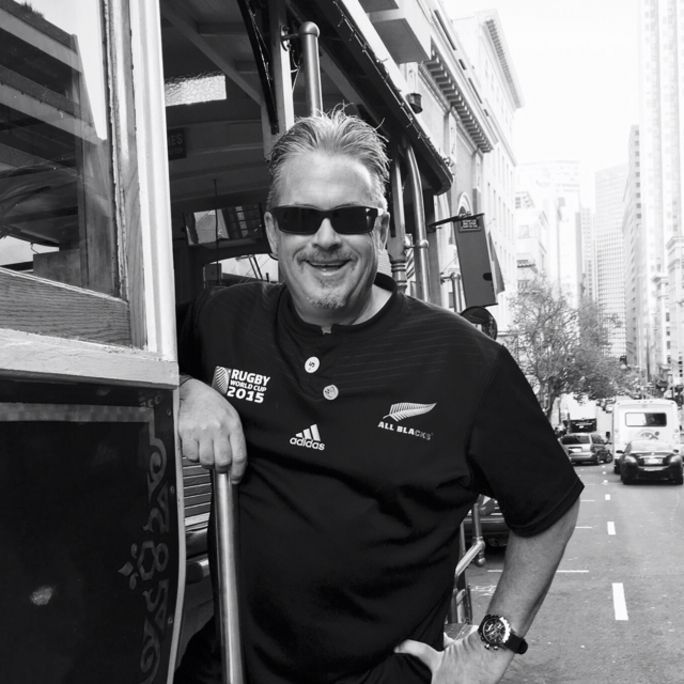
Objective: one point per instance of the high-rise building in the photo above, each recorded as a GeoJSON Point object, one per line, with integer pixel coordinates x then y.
{"type": "Point", "coordinates": [588, 285]}
{"type": "Point", "coordinates": [637, 316]}
{"type": "Point", "coordinates": [661, 137]}
{"type": "Point", "coordinates": [610, 270]}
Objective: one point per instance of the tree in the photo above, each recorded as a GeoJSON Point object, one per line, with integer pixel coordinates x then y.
{"type": "Point", "coordinates": [564, 350]}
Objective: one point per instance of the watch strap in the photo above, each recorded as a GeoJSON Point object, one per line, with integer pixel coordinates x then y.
{"type": "Point", "coordinates": [516, 643]}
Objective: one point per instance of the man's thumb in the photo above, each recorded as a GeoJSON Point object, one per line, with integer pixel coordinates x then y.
{"type": "Point", "coordinates": [419, 650]}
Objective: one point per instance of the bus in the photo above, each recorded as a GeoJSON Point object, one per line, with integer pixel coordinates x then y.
{"type": "Point", "coordinates": [132, 175]}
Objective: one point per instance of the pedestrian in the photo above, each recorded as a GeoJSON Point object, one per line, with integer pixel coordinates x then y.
{"type": "Point", "coordinates": [372, 421]}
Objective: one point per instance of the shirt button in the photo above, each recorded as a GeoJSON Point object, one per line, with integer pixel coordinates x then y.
{"type": "Point", "coordinates": [330, 392]}
{"type": "Point", "coordinates": [312, 364]}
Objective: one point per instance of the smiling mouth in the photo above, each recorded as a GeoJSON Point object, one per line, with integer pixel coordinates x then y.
{"type": "Point", "coordinates": [327, 266]}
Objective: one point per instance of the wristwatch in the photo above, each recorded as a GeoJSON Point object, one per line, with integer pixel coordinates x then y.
{"type": "Point", "coordinates": [495, 631]}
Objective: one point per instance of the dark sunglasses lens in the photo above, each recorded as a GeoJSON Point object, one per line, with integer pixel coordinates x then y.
{"type": "Point", "coordinates": [354, 220]}
{"type": "Point", "coordinates": [297, 220]}
{"type": "Point", "coordinates": [306, 220]}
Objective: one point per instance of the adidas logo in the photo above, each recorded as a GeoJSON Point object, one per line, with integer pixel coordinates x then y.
{"type": "Point", "coordinates": [309, 438]}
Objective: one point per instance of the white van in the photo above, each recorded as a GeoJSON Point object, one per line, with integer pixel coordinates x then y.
{"type": "Point", "coordinates": [644, 419]}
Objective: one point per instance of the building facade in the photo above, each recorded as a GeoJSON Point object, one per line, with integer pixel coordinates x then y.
{"type": "Point", "coordinates": [637, 317]}
{"type": "Point", "coordinates": [588, 255]}
{"type": "Point", "coordinates": [532, 237]}
{"type": "Point", "coordinates": [499, 92]}
{"type": "Point", "coordinates": [661, 136]}
{"type": "Point", "coordinates": [610, 264]}
{"type": "Point", "coordinates": [558, 187]}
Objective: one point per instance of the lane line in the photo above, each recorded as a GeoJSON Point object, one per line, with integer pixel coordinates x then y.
{"type": "Point", "coordinates": [560, 572]}
{"type": "Point", "coordinates": [607, 497]}
{"type": "Point", "coordinates": [611, 527]}
{"type": "Point", "coordinates": [584, 527]}
{"type": "Point", "coordinates": [619, 603]}
{"type": "Point", "coordinates": [587, 500]}
{"type": "Point", "coordinates": [572, 572]}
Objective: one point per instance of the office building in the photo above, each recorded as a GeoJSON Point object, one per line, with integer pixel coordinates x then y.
{"type": "Point", "coordinates": [609, 253]}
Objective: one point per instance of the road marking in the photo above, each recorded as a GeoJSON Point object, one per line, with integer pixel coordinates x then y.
{"type": "Point", "coordinates": [604, 482]}
{"type": "Point", "coordinates": [611, 527]}
{"type": "Point", "coordinates": [584, 527]}
{"type": "Point", "coordinates": [560, 572]}
{"type": "Point", "coordinates": [572, 572]}
{"type": "Point", "coordinates": [607, 497]}
{"type": "Point", "coordinates": [619, 603]}
{"type": "Point", "coordinates": [587, 500]}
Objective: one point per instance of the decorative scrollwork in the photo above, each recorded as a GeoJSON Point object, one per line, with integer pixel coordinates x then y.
{"type": "Point", "coordinates": [149, 558]}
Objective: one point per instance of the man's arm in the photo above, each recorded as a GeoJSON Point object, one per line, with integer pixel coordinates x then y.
{"type": "Point", "coordinates": [529, 568]}
{"type": "Point", "coordinates": [210, 429]}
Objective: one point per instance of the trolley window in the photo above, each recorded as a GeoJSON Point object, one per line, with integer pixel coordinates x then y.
{"type": "Point", "coordinates": [60, 270]}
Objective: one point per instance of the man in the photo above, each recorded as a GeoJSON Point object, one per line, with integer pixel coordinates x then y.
{"type": "Point", "coordinates": [372, 422]}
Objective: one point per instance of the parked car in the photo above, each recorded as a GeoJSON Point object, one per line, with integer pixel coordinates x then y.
{"type": "Point", "coordinates": [650, 459]}
{"type": "Point", "coordinates": [586, 447]}
{"type": "Point", "coordinates": [494, 528]}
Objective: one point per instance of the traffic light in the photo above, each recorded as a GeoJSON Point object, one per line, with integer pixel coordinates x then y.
{"type": "Point", "coordinates": [679, 363]}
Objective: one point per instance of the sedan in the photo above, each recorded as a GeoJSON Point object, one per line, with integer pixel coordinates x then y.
{"type": "Point", "coordinates": [650, 459]}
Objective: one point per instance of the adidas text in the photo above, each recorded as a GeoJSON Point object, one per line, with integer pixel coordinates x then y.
{"type": "Point", "coordinates": [309, 438]}
{"type": "Point", "coordinates": [308, 443]}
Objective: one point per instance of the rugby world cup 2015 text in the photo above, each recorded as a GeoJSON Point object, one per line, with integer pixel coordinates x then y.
{"type": "Point", "coordinates": [241, 384]}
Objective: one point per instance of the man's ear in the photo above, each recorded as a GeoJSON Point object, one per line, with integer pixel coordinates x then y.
{"type": "Point", "coordinates": [271, 233]}
{"type": "Point", "coordinates": [382, 228]}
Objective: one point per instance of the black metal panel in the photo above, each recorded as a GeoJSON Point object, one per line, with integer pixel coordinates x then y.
{"type": "Point", "coordinates": [88, 533]}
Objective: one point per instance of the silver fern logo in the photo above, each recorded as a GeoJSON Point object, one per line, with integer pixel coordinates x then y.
{"type": "Point", "coordinates": [407, 410]}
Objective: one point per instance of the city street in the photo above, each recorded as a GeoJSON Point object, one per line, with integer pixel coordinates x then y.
{"type": "Point", "coordinates": [614, 612]}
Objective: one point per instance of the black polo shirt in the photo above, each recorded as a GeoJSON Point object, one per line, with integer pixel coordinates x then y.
{"type": "Point", "coordinates": [366, 447]}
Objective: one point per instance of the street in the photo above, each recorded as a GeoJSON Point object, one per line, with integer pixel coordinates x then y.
{"type": "Point", "coordinates": [614, 611]}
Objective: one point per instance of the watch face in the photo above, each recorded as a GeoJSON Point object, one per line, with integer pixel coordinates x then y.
{"type": "Point", "coordinates": [495, 630]}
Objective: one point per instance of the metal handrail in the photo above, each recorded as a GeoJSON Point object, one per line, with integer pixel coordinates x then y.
{"type": "Point", "coordinates": [224, 516]}
{"type": "Point", "coordinates": [460, 609]}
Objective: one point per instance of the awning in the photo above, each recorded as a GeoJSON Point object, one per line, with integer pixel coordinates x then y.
{"type": "Point", "coordinates": [349, 49]}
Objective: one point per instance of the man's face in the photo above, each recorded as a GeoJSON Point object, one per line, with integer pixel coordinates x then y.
{"type": "Point", "coordinates": [330, 276]}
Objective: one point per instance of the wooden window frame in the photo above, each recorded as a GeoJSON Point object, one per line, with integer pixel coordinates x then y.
{"type": "Point", "coordinates": [58, 330]}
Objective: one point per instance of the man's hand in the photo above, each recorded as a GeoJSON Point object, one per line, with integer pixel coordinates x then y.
{"type": "Point", "coordinates": [210, 430]}
{"type": "Point", "coordinates": [463, 661]}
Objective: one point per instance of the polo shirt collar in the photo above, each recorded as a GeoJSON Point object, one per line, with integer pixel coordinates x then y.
{"type": "Point", "coordinates": [291, 319]}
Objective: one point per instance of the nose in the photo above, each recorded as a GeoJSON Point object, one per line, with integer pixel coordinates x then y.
{"type": "Point", "coordinates": [326, 236]}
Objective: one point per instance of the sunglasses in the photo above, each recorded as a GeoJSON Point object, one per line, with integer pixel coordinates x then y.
{"type": "Point", "coordinates": [352, 220]}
